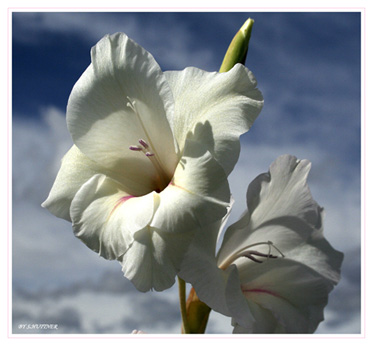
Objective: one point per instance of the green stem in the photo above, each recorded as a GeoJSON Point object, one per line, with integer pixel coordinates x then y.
{"type": "Point", "coordinates": [182, 297]}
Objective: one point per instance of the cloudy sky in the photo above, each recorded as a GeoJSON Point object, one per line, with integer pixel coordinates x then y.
{"type": "Point", "coordinates": [308, 68]}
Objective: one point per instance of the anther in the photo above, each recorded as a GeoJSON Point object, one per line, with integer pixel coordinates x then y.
{"type": "Point", "coordinates": [149, 154]}
{"type": "Point", "coordinates": [135, 148]}
{"type": "Point", "coordinates": [143, 143]}
{"type": "Point", "coordinates": [251, 253]}
{"type": "Point", "coordinates": [252, 258]}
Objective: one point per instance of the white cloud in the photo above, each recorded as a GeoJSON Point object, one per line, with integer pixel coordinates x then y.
{"type": "Point", "coordinates": [97, 307]}
{"type": "Point", "coordinates": [44, 247]}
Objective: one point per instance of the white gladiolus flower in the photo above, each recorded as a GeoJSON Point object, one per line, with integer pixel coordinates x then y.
{"type": "Point", "coordinates": [275, 269]}
{"type": "Point", "coordinates": [151, 155]}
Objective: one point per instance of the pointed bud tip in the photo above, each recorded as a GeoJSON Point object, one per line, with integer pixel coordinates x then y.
{"type": "Point", "coordinates": [247, 27]}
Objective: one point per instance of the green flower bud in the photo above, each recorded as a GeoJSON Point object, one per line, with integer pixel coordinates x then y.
{"type": "Point", "coordinates": [237, 50]}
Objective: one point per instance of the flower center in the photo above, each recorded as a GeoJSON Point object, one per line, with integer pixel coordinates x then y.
{"type": "Point", "coordinates": [162, 179]}
{"type": "Point", "coordinates": [146, 147]}
{"type": "Point", "coordinates": [253, 254]}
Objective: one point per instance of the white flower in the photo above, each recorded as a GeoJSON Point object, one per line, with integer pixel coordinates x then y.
{"type": "Point", "coordinates": [275, 269]}
{"type": "Point", "coordinates": [135, 331]}
{"type": "Point", "coordinates": [151, 155]}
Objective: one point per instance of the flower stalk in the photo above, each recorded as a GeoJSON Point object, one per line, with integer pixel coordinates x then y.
{"type": "Point", "coordinates": [183, 310]}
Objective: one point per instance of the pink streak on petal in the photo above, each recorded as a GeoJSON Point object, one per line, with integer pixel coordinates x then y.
{"type": "Point", "coordinates": [120, 201]}
{"type": "Point", "coordinates": [179, 187]}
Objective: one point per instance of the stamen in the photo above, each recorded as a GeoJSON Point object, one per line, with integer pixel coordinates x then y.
{"type": "Point", "coordinates": [149, 154]}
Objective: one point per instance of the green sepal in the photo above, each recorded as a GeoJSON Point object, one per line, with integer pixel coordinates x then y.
{"type": "Point", "coordinates": [197, 313]}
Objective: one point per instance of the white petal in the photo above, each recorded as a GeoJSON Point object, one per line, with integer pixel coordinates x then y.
{"type": "Point", "coordinates": [106, 218]}
{"type": "Point", "coordinates": [101, 120]}
{"type": "Point", "coordinates": [76, 169]}
{"type": "Point", "coordinates": [235, 300]}
{"type": "Point", "coordinates": [199, 268]}
{"type": "Point", "coordinates": [293, 293]}
{"type": "Point", "coordinates": [283, 193]}
{"type": "Point", "coordinates": [154, 257]}
{"type": "Point", "coordinates": [215, 109]}
{"type": "Point", "coordinates": [264, 321]}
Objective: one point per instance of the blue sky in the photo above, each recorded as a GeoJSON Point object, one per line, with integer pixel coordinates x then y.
{"type": "Point", "coordinates": [308, 68]}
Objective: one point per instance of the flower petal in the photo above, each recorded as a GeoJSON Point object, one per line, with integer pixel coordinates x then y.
{"type": "Point", "coordinates": [263, 322]}
{"type": "Point", "coordinates": [106, 218]}
{"type": "Point", "coordinates": [154, 257]}
{"type": "Point", "coordinates": [215, 109]}
{"type": "Point", "coordinates": [283, 192]}
{"type": "Point", "coordinates": [76, 169]}
{"type": "Point", "coordinates": [293, 293]}
{"type": "Point", "coordinates": [198, 194]}
{"type": "Point", "coordinates": [200, 270]}
{"type": "Point", "coordinates": [122, 97]}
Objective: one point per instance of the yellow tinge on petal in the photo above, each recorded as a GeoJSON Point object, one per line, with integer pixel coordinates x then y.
{"type": "Point", "coordinates": [237, 50]}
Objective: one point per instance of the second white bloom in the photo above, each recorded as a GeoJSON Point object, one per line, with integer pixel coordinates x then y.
{"type": "Point", "coordinates": [151, 156]}
{"type": "Point", "coordinates": [274, 270]}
